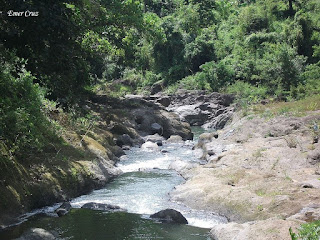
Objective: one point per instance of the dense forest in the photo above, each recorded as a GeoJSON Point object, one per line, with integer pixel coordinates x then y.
{"type": "Point", "coordinates": [255, 48]}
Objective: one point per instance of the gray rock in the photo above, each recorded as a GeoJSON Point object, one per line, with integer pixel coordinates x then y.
{"type": "Point", "coordinates": [153, 138]}
{"type": "Point", "coordinates": [38, 234]}
{"type": "Point", "coordinates": [156, 128]}
{"type": "Point", "coordinates": [156, 138]}
{"type": "Point", "coordinates": [150, 146]}
{"type": "Point", "coordinates": [175, 139]}
{"type": "Point", "coordinates": [125, 147]}
{"type": "Point", "coordinates": [118, 151]}
{"type": "Point", "coordinates": [201, 109]}
{"type": "Point", "coordinates": [314, 157]}
{"type": "Point", "coordinates": [220, 119]}
{"type": "Point", "coordinates": [164, 101]}
{"type": "Point", "coordinates": [63, 209]}
{"type": "Point", "coordinates": [124, 139]}
{"type": "Point", "coordinates": [157, 87]}
{"type": "Point", "coordinates": [102, 207]}
{"type": "Point", "coordinates": [171, 216]}
{"type": "Point", "coordinates": [192, 114]}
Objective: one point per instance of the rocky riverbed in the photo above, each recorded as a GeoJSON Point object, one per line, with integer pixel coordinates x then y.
{"type": "Point", "coordinates": [261, 173]}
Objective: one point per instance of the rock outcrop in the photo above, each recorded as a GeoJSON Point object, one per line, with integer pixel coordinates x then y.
{"type": "Point", "coordinates": [141, 117]}
{"type": "Point", "coordinates": [261, 174]}
{"type": "Point", "coordinates": [199, 108]}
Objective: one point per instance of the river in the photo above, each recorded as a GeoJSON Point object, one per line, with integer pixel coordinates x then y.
{"type": "Point", "coordinates": [143, 189]}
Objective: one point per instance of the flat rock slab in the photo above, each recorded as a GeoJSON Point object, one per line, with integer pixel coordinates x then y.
{"type": "Point", "coordinates": [271, 229]}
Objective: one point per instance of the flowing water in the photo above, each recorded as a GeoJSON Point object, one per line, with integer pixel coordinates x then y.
{"type": "Point", "coordinates": [142, 189]}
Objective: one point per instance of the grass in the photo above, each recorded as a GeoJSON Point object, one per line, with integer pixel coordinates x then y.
{"type": "Point", "coordinates": [258, 153]}
{"type": "Point", "coordinates": [260, 208]}
{"type": "Point", "coordinates": [261, 192]}
{"type": "Point", "coordinates": [294, 108]}
{"type": "Point", "coordinates": [275, 163]}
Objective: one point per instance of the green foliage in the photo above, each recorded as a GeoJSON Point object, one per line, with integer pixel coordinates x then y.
{"type": "Point", "coordinates": [252, 48]}
{"type": "Point", "coordinates": [253, 19]}
{"type": "Point", "coordinates": [307, 231]}
{"type": "Point", "coordinates": [217, 75]}
{"type": "Point", "coordinates": [201, 50]}
{"type": "Point", "coordinates": [311, 78]}
{"type": "Point", "coordinates": [22, 123]}
{"type": "Point", "coordinates": [247, 92]}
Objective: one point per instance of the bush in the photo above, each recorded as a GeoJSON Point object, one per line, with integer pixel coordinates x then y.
{"type": "Point", "coordinates": [217, 75]}
{"type": "Point", "coordinates": [22, 124]}
{"type": "Point", "coordinates": [311, 78]}
{"type": "Point", "coordinates": [253, 19]}
{"type": "Point", "coordinates": [194, 82]}
{"type": "Point", "coordinates": [307, 231]}
{"type": "Point", "coordinates": [247, 92]}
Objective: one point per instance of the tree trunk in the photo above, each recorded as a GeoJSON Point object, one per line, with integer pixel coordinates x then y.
{"type": "Point", "coordinates": [290, 7]}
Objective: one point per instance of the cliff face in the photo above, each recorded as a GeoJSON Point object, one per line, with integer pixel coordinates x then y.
{"type": "Point", "coordinates": [84, 160]}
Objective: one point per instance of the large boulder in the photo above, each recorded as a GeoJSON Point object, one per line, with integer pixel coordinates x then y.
{"type": "Point", "coordinates": [164, 101]}
{"type": "Point", "coordinates": [151, 121]}
{"type": "Point", "coordinates": [156, 87]}
{"type": "Point", "coordinates": [170, 215]}
{"type": "Point", "coordinates": [63, 209]}
{"type": "Point", "coordinates": [117, 151]}
{"type": "Point", "coordinates": [154, 138]}
{"type": "Point", "coordinates": [150, 146]}
{"type": "Point", "coordinates": [175, 139]}
{"type": "Point", "coordinates": [124, 139]}
{"type": "Point", "coordinates": [193, 114]}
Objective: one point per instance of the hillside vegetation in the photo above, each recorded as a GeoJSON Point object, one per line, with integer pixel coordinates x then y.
{"type": "Point", "coordinates": [256, 49]}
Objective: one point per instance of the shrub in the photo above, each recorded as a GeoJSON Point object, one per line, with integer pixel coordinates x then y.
{"type": "Point", "coordinates": [247, 92]}
{"type": "Point", "coordinates": [22, 124]}
{"type": "Point", "coordinates": [307, 231]}
{"type": "Point", "coordinates": [311, 78]}
{"type": "Point", "coordinates": [217, 75]}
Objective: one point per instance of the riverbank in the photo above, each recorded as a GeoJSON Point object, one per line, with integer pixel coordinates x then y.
{"type": "Point", "coordinates": [80, 160]}
{"type": "Point", "coordinates": [262, 172]}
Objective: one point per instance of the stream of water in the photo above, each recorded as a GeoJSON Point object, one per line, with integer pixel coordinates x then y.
{"type": "Point", "coordinates": [142, 189]}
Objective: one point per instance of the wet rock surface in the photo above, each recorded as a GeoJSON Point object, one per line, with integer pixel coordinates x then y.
{"type": "Point", "coordinates": [63, 209]}
{"type": "Point", "coordinates": [170, 216]}
{"type": "Point", "coordinates": [38, 234]}
{"type": "Point", "coordinates": [103, 207]}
